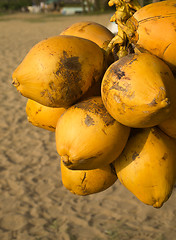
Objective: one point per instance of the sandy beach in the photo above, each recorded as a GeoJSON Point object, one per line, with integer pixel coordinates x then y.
{"type": "Point", "coordinates": [34, 205]}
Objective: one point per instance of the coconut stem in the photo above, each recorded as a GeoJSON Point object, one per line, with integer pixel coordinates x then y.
{"type": "Point", "coordinates": [124, 10]}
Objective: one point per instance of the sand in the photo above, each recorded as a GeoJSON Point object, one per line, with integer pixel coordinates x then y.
{"type": "Point", "coordinates": [34, 205]}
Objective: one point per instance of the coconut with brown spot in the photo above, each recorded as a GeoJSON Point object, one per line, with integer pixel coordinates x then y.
{"type": "Point", "coordinates": [42, 116]}
{"type": "Point", "coordinates": [139, 90]}
{"type": "Point", "coordinates": [59, 70]}
{"type": "Point", "coordinates": [87, 137]}
{"type": "Point", "coordinates": [86, 182]}
{"type": "Point", "coordinates": [90, 30]}
{"type": "Point", "coordinates": [147, 166]}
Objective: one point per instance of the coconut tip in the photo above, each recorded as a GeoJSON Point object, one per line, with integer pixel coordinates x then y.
{"type": "Point", "coordinates": [15, 82]}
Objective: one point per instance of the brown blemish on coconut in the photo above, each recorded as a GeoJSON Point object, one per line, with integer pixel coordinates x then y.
{"type": "Point", "coordinates": [156, 133]}
{"type": "Point", "coordinates": [165, 156]}
{"type": "Point", "coordinates": [89, 121]}
{"type": "Point", "coordinates": [49, 95]}
{"type": "Point", "coordinates": [118, 88]}
{"type": "Point", "coordinates": [70, 63]}
{"type": "Point", "coordinates": [135, 155]}
{"type": "Point", "coordinates": [84, 178]}
{"type": "Point", "coordinates": [96, 107]}
{"type": "Point", "coordinates": [82, 29]}
{"type": "Point", "coordinates": [70, 70]}
{"type": "Point", "coordinates": [166, 48]}
{"type": "Point", "coordinates": [153, 103]}
{"type": "Point", "coordinates": [39, 110]}
{"type": "Point", "coordinates": [147, 31]}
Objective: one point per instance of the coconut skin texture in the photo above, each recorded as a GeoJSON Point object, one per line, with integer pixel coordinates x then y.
{"type": "Point", "coordinates": [82, 182]}
{"type": "Point", "coordinates": [91, 31]}
{"type": "Point", "coordinates": [94, 32]}
{"type": "Point", "coordinates": [87, 137]}
{"type": "Point", "coordinates": [138, 90]}
{"type": "Point", "coordinates": [153, 28]}
{"type": "Point", "coordinates": [59, 70]}
{"type": "Point", "coordinates": [42, 116]}
{"type": "Point", "coordinates": [147, 166]}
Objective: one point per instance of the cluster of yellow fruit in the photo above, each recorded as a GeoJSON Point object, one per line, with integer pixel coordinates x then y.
{"type": "Point", "coordinates": [114, 118]}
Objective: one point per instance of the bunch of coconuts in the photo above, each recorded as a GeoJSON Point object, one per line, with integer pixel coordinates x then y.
{"type": "Point", "coordinates": [110, 100]}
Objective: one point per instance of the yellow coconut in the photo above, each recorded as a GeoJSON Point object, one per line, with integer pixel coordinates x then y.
{"type": "Point", "coordinates": [153, 27]}
{"type": "Point", "coordinates": [43, 116]}
{"type": "Point", "coordinates": [86, 182]}
{"type": "Point", "coordinates": [138, 90]}
{"type": "Point", "coordinates": [87, 137]}
{"type": "Point", "coordinates": [59, 70]}
{"type": "Point", "coordinates": [92, 31]}
{"type": "Point", "coordinates": [147, 166]}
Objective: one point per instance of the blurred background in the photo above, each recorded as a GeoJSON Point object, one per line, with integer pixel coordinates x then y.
{"type": "Point", "coordinates": [64, 7]}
